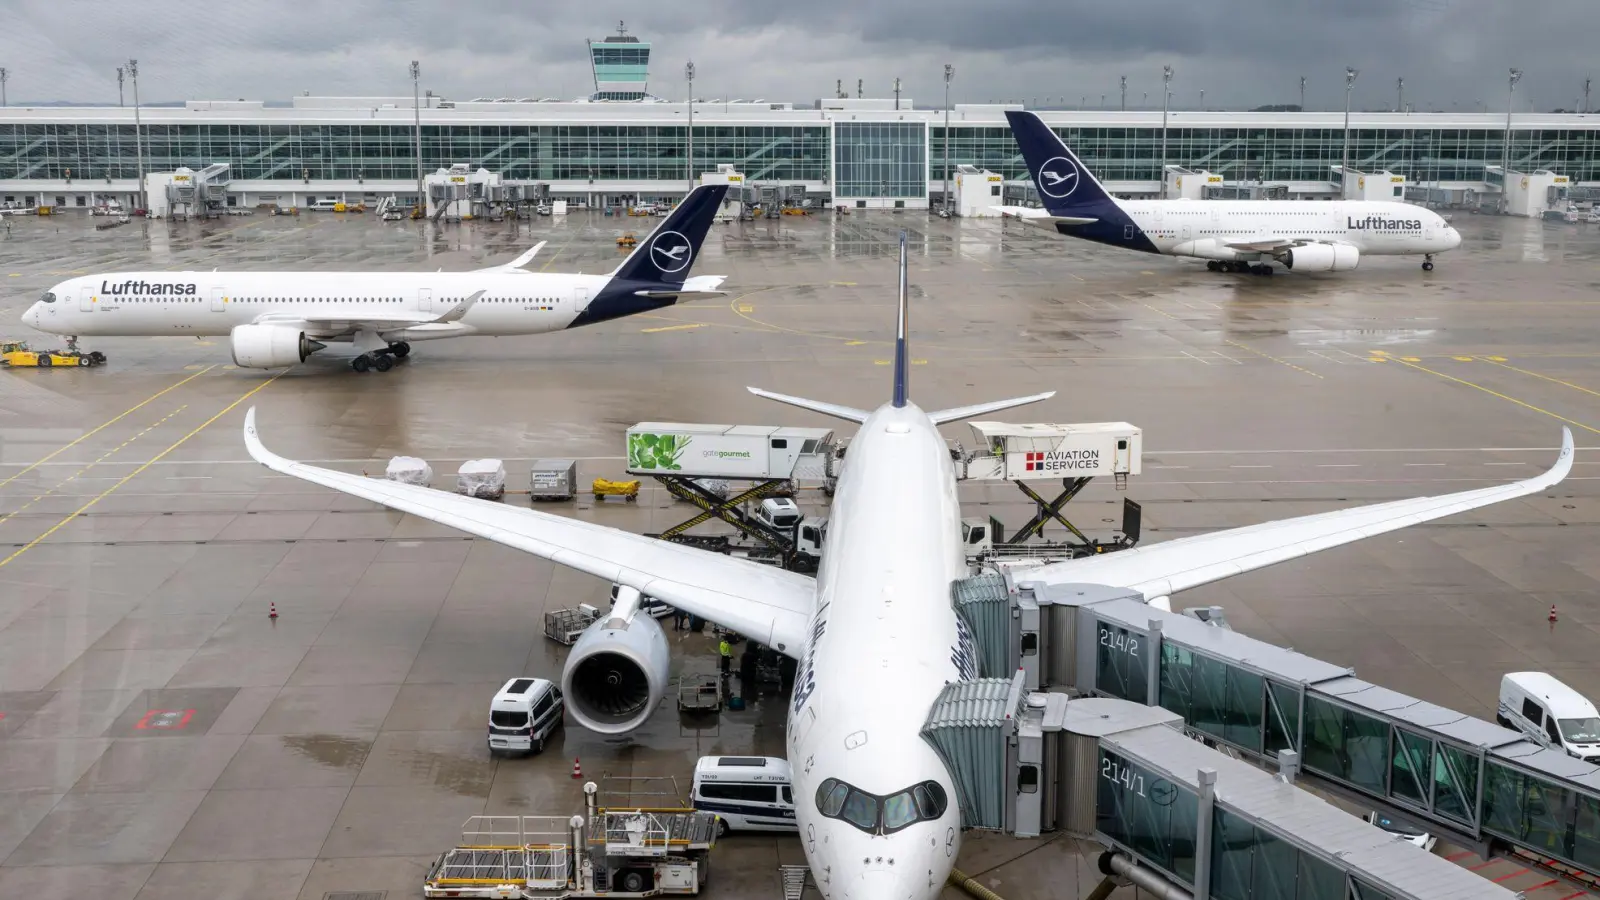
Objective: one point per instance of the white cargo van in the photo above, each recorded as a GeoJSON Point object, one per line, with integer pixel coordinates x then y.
{"type": "Point", "coordinates": [748, 793]}
{"type": "Point", "coordinates": [523, 714]}
{"type": "Point", "coordinates": [1550, 713]}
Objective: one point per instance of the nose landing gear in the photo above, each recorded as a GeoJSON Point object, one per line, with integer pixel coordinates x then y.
{"type": "Point", "coordinates": [1427, 262]}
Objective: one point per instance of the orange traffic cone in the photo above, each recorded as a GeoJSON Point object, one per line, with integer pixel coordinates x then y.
{"type": "Point", "coordinates": [1552, 613]}
{"type": "Point", "coordinates": [272, 612]}
{"type": "Point", "coordinates": [577, 770]}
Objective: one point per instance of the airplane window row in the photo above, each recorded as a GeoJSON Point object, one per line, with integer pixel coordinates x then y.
{"type": "Point", "coordinates": [873, 814]}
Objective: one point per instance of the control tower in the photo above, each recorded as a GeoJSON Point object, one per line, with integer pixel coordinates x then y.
{"type": "Point", "coordinates": [621, 65]}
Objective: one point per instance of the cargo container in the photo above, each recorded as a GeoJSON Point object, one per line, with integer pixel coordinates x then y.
{"type": "Point", "coordinates": [1047, 451]}
{"type": "Point", "coordinates": [727, 451]}
{"type": "Point", "coordinates": [553, 479]}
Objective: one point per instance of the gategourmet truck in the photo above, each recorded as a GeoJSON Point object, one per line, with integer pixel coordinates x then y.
{"type": "Point", "coordinates": [722, 451]}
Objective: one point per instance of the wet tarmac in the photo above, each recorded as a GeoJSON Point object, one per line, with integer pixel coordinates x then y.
{"type": "Point", "coordinates": [161, 737]}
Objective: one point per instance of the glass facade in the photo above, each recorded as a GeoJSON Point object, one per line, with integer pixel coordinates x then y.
{"type": "Point", "coordinates": [1249, 863]}
{"type": "Point", "coordinates": [1120, 664]}
{"type": "Point", "coordinates": [1228, 703]}
{"type": "Point", "coordinates": [380, 152]}
{"type": "Point", "coordinates": [1147, 814]}
{"type": "Point", "coordinates": [880, 159]}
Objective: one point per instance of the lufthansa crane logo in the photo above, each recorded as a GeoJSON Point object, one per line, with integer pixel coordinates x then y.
{"type": "Point", "coordinates": [672, 251]}
{"type": "Point", "coordinates": [1058, 177]}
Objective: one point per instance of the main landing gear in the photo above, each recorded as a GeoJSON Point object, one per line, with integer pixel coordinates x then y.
{"type": "Point", "coordinates": [1239, 267]}
{"type": "Point", "coordinates": [1427, 262]}
{"type": "Point", "coordinates": [381, 359]}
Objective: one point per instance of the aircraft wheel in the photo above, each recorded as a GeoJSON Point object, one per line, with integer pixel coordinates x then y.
{"type": "Point", "coordinates": [360, 364]}
{"type": "Point", "coordinates": [382, 362]}
{"type": "Point", "coordinates": [1263, 270]}
{"type": "Point", "coordinates": [1212, 265]}
{"type": "Point", "coordinates": [1427, 267]}
{"type": "Point", "coordinates": [401, 350]}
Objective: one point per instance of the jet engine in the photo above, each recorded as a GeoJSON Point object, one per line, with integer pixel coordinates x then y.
{"type": "Point", "coordinates": [270, 346]}
{"type": "Point", "coordinates": [1322, 257]}
{"type": "Point", "coordinates": [616, 674]}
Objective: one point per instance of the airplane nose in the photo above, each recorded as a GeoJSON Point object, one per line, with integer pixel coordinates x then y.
{"type": "Point", "coordinates": [882, 884]}
{"type": "Point", "coordinates": [31, 317]}
{"type": "Point", "coordinates": [1453, 237]}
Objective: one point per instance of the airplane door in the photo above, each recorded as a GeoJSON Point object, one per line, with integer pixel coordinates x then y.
{"type": "Point", "coordinates": [580, 300]}
{"type": "Point", "coordinates": [425, 300]}
{"type": "Point", "coordinates": [1427, 232]}
{"type": "Point", "coordinates": [86, 299]}
{"type": "Point", "coordinates": [219, 300]}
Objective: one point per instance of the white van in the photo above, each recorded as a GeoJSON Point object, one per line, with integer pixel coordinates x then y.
{"type": "Point", "coordinates": [748, 793]}
{"type": "Point", "coordinates": [523, 714]}
{"type": "Point", "coordinates": [1550, 713]}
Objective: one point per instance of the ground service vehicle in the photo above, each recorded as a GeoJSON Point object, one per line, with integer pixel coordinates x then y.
{"type": "Point", "coordinates": [1550, 713]}
{"type": "Point", "coordinates": [18, 354]}
{"type": "Point", "coordinates": [523, 715]}
{"type": "Point", "coordinates": [748, 793]}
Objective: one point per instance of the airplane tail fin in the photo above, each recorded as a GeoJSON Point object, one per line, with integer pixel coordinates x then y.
{"type": "Point", "coordinates": [666, 255]}
{"type": "Point", "coordinates": [902, 359]}
{"type": "Point", "coordinates": [1066, 186]}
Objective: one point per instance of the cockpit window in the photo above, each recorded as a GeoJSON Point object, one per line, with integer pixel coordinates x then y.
{"type": "Point", "coordinates": [48, 297]}
{"type": "Point", "coordinates": [881, 815]}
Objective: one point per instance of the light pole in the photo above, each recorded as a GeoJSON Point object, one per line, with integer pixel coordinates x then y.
{"type": "Point", "coordinates": [688, 73]}
{"type": "Point", "coordinates": [3, 76]}
{"type": "Point", "coordinates": [1586, 96]}
{"type": "Point", "coordinates": [119, 87]}
{"type": "Point", "coordinates": [1202, 99]}
{"type": "Point", "coordinates": [1349, 85]}
{"type": "Point", "coordinates": [949, 73]}
{"type": "Point", "coordinates": [1166, 95]}
{"type": "Point", "coordinates": [1399, 95]}
{"type": "Point", "coordinates": [416, 130]}
{"type": "Point", "coordinates": [1124, 93]}
{"type": "Point", "coordinates": [897, 95]}
{"type": "Point", "coordinates": [138, 136]}
{"type": "Point", "coordinates": [1505, 163]}
{"type": "Point", "coordinates": [1302, 93]}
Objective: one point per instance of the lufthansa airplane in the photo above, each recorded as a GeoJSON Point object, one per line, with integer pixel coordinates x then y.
{"type": "Point", "coordinates": [1231, 235]}
{"type": "Point", "coordinates": [275, 319]}
{"type": "Point", "coordinates": [874, 633]}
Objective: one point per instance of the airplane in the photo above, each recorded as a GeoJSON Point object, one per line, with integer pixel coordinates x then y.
{"type": "Point", "coordinates": [276, 319]}
{"type": "Point", "coordinates": [1231, 235]}
{"type": "Point", "coordinates": [874, 633]}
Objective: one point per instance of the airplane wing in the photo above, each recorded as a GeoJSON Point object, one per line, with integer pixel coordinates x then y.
{"type": "Point", "coordinates": [768, 604]}
{"type": "Point", "coordinates": [516, 264]}
{"type": "Point", "coordinates": [1040, 217]}
{"type": "Point", "coordinates": [1160, 570]}
{"type": "Point", "coordinates": [1264, 245]}
{"type": "Point", "coordinates": [375, 320]}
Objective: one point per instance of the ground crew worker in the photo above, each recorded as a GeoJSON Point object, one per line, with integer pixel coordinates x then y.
{"type": "Point", "coordinates": [726, 649]}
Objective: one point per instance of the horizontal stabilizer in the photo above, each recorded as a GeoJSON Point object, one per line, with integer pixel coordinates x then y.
{"type": "Point", "coordinates": [849, 414]}
{"type": "Point", "coordinates": [956, 414]}
{"type": "Point", "coordinates": [1041, 218]}
{"type": "Point", "coordinates": [701, 285]}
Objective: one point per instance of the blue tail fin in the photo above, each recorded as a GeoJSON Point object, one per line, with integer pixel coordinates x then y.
{"type": "Point", "coordinates": [902, 360]}
{"type": "Point", "coordinates": [666, 255]}
{"type": "Point", "coordinates": [1066, 186]}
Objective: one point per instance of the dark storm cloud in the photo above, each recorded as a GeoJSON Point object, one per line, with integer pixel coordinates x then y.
{"type": "Point", "coordinates": [1452, 53]}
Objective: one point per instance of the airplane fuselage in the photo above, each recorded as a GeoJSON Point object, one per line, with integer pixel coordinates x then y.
{"type": "Point", "coordinates": [883, 643]}
{"type": "Point", "coordinates": [214, 303]}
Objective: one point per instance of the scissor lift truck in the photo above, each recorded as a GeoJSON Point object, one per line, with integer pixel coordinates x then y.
{"type": "Point", "coordinates": [1077, 454]}
{"type": "Point", "coordinates": [609, 853]}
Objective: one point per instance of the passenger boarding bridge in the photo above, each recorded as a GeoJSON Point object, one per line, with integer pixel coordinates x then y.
{"type": "Point", "coordinates": [1486, 787]}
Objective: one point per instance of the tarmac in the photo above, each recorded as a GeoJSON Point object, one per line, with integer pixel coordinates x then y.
{"type": "Point", "coordinates": [162, 737]}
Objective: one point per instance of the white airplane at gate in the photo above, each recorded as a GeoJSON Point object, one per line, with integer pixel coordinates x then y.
{"type": "Point", "coordinates": [1232, 235]}
{"type": "Point", "coordinates": [276, 319]}
{"type": "Point", "coordinates": [875, 633]}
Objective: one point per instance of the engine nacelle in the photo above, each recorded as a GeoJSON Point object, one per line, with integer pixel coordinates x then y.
{"type": "Point", "coordinates": [1322, 257]}
{"type": "Point", "coordinates": [616, 674]}
{"type": "Point", "coordinates": [270, 346]}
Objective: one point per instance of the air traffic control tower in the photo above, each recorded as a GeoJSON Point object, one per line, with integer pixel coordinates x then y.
{"type": "Point", "coordinates": [621, 65]}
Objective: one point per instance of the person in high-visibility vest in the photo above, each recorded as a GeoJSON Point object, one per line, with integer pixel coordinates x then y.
{"type": "Point", "coordinates": [726, 649]}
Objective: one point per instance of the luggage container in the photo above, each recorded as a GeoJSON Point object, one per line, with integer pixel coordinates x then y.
{"type": "Point", "coordinates": [484, 478]}
{"type": "Point", "coordinates": [409, 470]}
{"type": "Point", "coordinates": [553, 479]}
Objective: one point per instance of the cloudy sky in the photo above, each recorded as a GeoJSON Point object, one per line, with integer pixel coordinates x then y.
{"type": "Point", "coordinates": [1243, 53]}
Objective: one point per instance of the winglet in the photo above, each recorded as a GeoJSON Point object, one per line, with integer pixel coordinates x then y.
{"type": "Point", "coordinates": [525, 258]}
{"type": "Point", "coordinates": [847, 413]}
{"type": "Point", "coordinates": [902, 361]}
{"type": "Point", "coordinates": [259, 452]}
{"type": "Point", "coordinates": [1563, 466]}
{"type": "Point", "coordinates": [455, 313]}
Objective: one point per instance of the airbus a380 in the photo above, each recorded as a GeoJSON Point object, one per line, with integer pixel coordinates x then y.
{"type": "Point", "coordinates": [276, 319]}
{"type": "Point", "coordinates": [875, 634]}
{"type": "Point", "coordinates": [1232, 235]}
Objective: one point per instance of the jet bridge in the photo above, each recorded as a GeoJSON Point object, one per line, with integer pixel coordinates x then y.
{"type": "Point", "coordinates": [1179, 819]}
{"type": "Point", "coordinates": [1484, 787]}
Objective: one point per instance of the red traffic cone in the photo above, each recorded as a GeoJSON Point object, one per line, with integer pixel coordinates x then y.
{"type": "Point", "coordinates": [1552, 613]}
{"type": "Point", "coordinates": [577, 770]}
{"type": "Point", "coordinates": [272, 612]}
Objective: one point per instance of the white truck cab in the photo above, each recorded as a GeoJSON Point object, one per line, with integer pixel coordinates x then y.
{"type": "Point", "coordinates": [523, 715]}
{"type": "Point", "coordinates": [748, 793]}
{"type": "Point", "coordinates": [1550, 713]}
{"type": "Point", "coordinates": [781, 513]}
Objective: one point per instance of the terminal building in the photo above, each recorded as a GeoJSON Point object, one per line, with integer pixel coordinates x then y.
{"type": "Point", "coordinates": [622, 145]}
